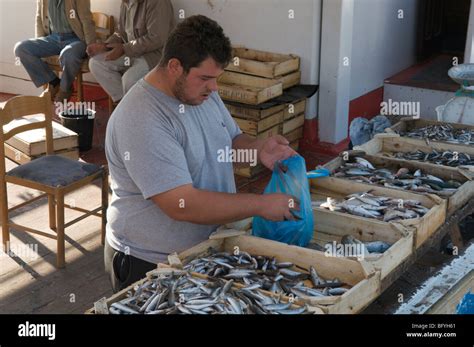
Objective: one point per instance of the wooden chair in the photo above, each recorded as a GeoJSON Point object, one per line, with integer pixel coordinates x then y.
{"type": "Point", "coordinates": [105, 27]}
{"type": "Point", "coordinates": [53, 175]}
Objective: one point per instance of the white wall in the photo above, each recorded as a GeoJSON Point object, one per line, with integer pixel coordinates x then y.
{"type": "Point", "coordinates": [17, 22]}
{"type": "Point", "coordinates": [382, 44]}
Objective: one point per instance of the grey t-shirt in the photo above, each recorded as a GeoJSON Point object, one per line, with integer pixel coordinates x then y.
{"type": "Point", "coordinates": [152, 146]}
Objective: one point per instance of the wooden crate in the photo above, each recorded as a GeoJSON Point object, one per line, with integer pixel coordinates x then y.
{"type": "Point", "coordinates": [261, 63]}
{"type": "Point", "coordinates": [32, 143]}
{"type": "Point", "coordinates": [409, 124]}
{"type": "Point", "coordinates": [425, 226]}
{"type": "Point", "coordinates": [295, 135]}
{"type": "Point", "coordinates": [21, 158]}
{"type": "Point", "coordinates": [252, 113]}
{"type": "Point", "coordinates": [273, 131]}
{"type": "Point", "coordinates": [363, 278]}
{"type": "Point", "coordinates": [250, 91]}
{"type": "Point", "coordinates": [329, 228]}
{"type": "Point", "coordinates": [293, 124]}
{"type": "Point", "coordinates": [462, 195]}
{"type": "Point", "coordinates": [287, 81]}
{"type": "Point", "coordinates": [255, 127]}
{"type": "Point", "coordinates": [294, 109]}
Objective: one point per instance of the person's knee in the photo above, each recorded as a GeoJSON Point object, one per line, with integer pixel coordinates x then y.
{"type": "Point", "coordinates": [71, 56]}
{"type": "Point", "coordinates": [97, 63]}
{"type": "Point", "coordinates": [127, 83]}
{"type": "Point", "coordinates": [21, 49]}
{"type": "Point", "coordinates": [130, 77]}
{"type": "Point", "coordinates": [93, 65]}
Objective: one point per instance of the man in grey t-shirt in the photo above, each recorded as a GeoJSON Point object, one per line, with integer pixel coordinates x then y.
{"type": "Point", "coordinates": [171, 184]}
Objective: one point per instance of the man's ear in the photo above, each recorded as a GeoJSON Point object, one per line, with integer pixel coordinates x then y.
{"type": "Point", "coordinates": [175, 67]}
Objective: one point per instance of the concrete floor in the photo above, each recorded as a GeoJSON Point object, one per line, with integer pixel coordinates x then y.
{"type": "Point", "coordinates": [32, 284]}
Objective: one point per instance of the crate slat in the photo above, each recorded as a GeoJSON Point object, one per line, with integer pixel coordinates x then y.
{"type": "Point", "coordinates": [261, 63]}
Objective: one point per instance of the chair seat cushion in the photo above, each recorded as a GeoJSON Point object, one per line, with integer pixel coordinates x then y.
{"type": "Point", "coordinates": [54, 171]}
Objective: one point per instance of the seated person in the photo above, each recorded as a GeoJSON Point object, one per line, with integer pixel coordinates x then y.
{"type": "Point", "coordinates": [64, 28]}
{"type": "Point", "coordinates": [135, 48]}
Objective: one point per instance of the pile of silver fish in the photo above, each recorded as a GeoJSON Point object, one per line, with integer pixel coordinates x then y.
{"type": "Point", "coordinates": [376, 207]}
{"type": "Point", "coordinates": [361, 170]}
{"type": "Point", "coordinates": [181, 293]}
{"type": "Point", "coordinates": [259, 272]}
{"type": "Point", "coordinates": [446, 158]}
{"type": "Point", "coordinates": [442, 132]}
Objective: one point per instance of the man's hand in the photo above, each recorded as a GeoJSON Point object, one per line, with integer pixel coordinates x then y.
{"type": "Point", "coordinates": [277, 207]}
{"type": "Point", "coordinates": [96, 48]}
{"type": "Point", "coordinates": [274, 149]}
{"type": "Point", "coordinates": [116, 52]}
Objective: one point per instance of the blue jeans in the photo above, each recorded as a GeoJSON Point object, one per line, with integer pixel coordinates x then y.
{"type": "Point", "coordinates": [69, 47]}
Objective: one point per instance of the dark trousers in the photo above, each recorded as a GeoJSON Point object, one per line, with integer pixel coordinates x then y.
{"type": "Point", "coordinates": [124, 269]}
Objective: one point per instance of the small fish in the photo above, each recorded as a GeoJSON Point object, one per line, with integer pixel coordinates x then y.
{"type": "Point", "coordinates": [364, 163]}
{"type": "Point", "coordinates": [295, 311]}
{"type": "Point", "coordinates": [377, 246]}
{"type": "Point", "coordinates": [277, 307]}
{"type": "Point", "coordinates": [314, 276]}
{"type": "Point", "coordinates": [358, 172]}
{"type": "Point", "coordinates": [338, 291]}
{"type": "Point", "coordinates": [399, 178]}
{"type": "Point", "coordinates": [360, 211]}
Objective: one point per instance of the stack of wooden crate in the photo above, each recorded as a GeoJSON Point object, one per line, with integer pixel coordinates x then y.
{"type": "Point", "coordinates": [253, 79]}
{"type": "Point", "coordinates": [31, 144]}
{"type": "Point", "coordinates": [293, 121]}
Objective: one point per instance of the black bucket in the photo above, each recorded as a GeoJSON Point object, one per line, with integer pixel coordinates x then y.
{"type": "Point", "coordinates": [82, 123]}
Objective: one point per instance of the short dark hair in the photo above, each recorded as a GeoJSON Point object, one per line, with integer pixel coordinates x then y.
{"type": "Point", "coordinates": [194, 40]}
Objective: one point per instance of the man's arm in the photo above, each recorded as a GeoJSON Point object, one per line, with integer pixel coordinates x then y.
{"type": "Point", "coordinates": [269, 151]}
{"type": "Point", "coordinates": [188, 204]}
{"type": "Point", "coordinates": [87, 22]}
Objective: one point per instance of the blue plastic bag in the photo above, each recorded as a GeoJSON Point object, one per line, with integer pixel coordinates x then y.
{"type": "Point", "coordinates": [293, 182]}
